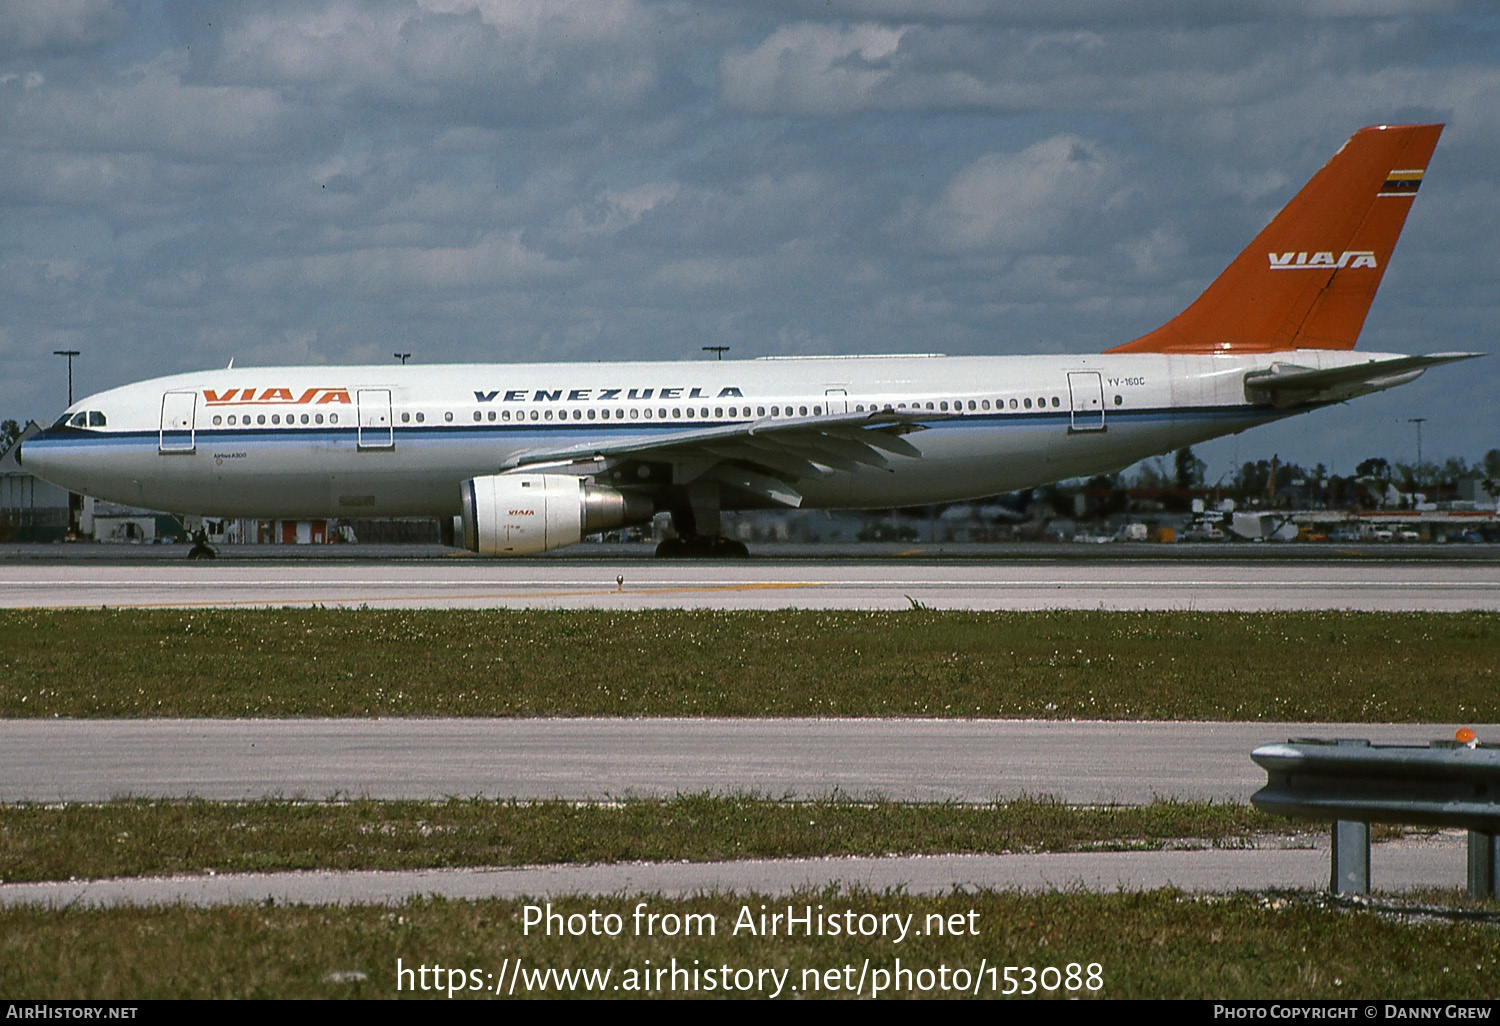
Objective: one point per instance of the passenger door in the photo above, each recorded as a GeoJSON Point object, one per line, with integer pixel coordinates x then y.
{"type": "Point", "coordinates": [1086, 391]}
{"type": "Point", "coordinates": [178, 412]}
{"type": "Point", "coordinates": [375, 428]}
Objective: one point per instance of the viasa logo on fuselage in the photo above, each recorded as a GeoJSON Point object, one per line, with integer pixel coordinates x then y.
{"type": "Point", "coordinates": [276, 397]}
{"type": "Point", "coordinates": [1323, 260]}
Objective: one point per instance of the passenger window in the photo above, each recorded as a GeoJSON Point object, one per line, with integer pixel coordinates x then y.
{"type": "Point", "coordinates": [261, 418]}
{"type": "Point", "coordinates": [421, 417]}
{"type": "Point", "coordinates": [218, 420]}
{"type": "Point", "coordinates": [276, 418]}
{"type": "Point", "coordinates": [448, 416]}
{"type": "Point", "coordinates": [304, 418]}
{"type": "Point", "coordinates": [1056, 401]}
{"type": "Point", "coordinates": [1028, 403]}
{"type": "Point", "coordinates": [333, 418]}
{"type": "Point", "coordinates": [760, 411]}
{"type": "Point", "coordinates": [476, 415]}
{"type": "Point", "coordinates": [636, 413]}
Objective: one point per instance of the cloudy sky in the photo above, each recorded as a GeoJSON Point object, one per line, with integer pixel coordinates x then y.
{"type": "Point", "coordinates": [331, 181]}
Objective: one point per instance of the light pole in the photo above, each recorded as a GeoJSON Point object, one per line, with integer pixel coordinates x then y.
{"type": "Point", "coordinates": [69, 353]}
{"type": "Point", "coordinates": [403, 357]}
{"type": "Point", "coordinates": [718, 350]}
{"type": "Point", "coordinates": [1418, 422]}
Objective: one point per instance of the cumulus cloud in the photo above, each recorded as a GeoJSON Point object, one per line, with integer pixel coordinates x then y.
{"type": "Point", "coordinates": [485, 62]}
{"type": "Point", "coordinates": [1016, 202]}
{"type": "Point", "coordinates": [59, 26]}
{"type": "Point", "coordinates": [813, 68]}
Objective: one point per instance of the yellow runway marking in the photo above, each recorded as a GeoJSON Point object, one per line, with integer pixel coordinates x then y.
{"type": "Point", "coordinates": [760, 586]}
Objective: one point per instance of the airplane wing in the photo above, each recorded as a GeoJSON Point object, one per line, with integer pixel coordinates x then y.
{"type": "Point", "coordinates": [765, 457]}
{"type": "Point", "coordinates": [1287, 384]}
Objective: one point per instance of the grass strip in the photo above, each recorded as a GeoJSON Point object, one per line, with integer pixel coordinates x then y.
{"type": "Point", "coordinates": [141, 838]}
{"type": "Point", "coordinates": [1406, 667]}
{"type": "Point", "coordinates": [1153, 945]}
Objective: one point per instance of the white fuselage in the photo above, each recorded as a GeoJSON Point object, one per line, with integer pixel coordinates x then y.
{"type": "Point", "coordinates": [397, 441]}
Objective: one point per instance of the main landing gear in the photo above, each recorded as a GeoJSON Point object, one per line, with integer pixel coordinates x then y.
{"type": "Point", "coordinates": [695, 520]}
{"type": "Point", "coordinates": [701, 548]}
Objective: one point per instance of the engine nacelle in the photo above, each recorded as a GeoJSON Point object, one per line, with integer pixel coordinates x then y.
{"type": "Point", "coordinates": [523, 514]}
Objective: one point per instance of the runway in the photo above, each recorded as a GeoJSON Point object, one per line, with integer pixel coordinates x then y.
{"type": "Point", "coordinates": [1239, 585]}
{"type": "Point", "coordinates": [1081, 763]}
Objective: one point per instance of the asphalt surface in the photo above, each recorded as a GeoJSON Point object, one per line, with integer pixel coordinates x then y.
{"type": "Point", "coordinates": [894, 583]}
{"type": "Point", "coordinates": [1419, 862]}
{"type": "Point", "coordinates": [591, 759]}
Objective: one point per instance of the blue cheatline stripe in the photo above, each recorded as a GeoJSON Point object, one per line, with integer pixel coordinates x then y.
{"type": "Point", "coordinates": [518, 433]}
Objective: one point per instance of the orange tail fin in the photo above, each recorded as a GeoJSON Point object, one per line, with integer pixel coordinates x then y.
{"type": "Point", "coordinates": [1308, 279]}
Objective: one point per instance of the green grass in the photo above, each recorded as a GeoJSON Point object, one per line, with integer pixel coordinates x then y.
{"type": "Point", "coordinates": [147, 838]}
{"type": "Point", "coordinates": [1153, 945]}
{"type": "Point", "coordinates": [1109, 665]}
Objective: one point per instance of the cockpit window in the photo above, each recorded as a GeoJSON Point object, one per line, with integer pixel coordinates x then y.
{"type": "Point", "coordinates": [79, 420]}
{"type": "Point", "coordinates": [62, 421]}
{"type": "Point", "coordinates": [96, 419]}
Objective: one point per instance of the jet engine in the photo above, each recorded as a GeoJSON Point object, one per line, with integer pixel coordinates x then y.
{"type": "Point", "coordinates": [522, 514]}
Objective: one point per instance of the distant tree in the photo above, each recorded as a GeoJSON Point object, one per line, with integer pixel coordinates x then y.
{"type": "Point", "coordinates": [1150, 473]}
{"type": "Point", "coordinates": [9, 432]}
{"type": "Point", "coordinates": [1375, 467]}
{"type": "Point", "coordinates": [1187, 469]}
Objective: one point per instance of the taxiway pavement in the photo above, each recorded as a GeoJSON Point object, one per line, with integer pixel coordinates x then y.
{"type": "Point", "coordinates": [1411, 863]}
{"type": "Point", "coordinates": [1078, 762]}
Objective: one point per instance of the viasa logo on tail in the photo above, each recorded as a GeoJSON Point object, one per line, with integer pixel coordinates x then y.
{"type": "Point", "coordinates": [1323, 260]}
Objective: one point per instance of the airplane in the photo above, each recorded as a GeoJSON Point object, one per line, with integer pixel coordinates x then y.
{"type": "Point", "coordinates": [520, 459]}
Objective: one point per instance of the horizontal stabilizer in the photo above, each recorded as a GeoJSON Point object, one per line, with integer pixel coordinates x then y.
{"type": "Point", "coordinates": [1287, 384]}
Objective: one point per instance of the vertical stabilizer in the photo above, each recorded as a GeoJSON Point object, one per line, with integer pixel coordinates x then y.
{"type": "Point", "coordinates": [1308, 279]}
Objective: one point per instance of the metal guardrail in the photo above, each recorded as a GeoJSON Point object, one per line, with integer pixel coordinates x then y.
{"type": "Point", "coordinates": [1355, 783]}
